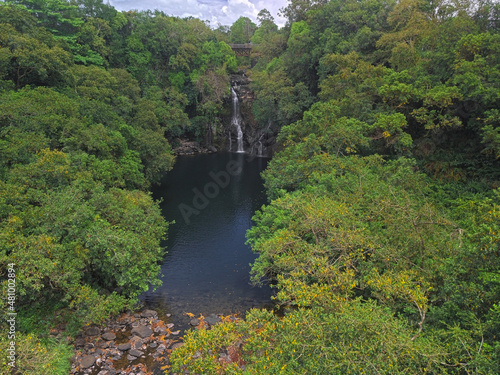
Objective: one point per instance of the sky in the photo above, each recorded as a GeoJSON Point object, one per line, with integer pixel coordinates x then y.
{"type": "Point", "coordinates": [223, 12]}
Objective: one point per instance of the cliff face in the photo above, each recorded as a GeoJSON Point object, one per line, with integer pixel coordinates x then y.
{"type": "Point", "coordinates": [257, 138]}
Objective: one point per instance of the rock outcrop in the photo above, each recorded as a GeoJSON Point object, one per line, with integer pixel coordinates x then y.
{"type": "Point", "coordinates": [137, 344]}
{"type": "Point", "coordinates": [259, 139]}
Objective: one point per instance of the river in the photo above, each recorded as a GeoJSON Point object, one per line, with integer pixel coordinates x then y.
{"type": "Point", "coordinates": [211, 198]}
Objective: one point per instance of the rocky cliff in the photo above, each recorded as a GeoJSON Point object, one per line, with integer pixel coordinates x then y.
{"type": "Point", "coordinates": [258, 139]}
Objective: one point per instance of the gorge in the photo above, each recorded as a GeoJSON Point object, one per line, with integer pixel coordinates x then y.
{"type": "Point", "coordinates": [206, 269]}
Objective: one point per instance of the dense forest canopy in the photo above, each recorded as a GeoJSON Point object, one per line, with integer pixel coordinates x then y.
{"type": "Point", "coordinates": [91, 100]}
{"type": "Point", "coordinates": [381, 229]}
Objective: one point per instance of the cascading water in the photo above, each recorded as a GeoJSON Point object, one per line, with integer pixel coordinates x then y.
{"type": "Point", "coordinates": [259, 149]}
{"type": "Point", "coordinates": [236, 121]}
{"type": "Point", "coordinates": [259, 145]}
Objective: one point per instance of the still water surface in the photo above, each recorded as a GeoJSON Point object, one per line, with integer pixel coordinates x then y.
{"type": "Point", "coordinates": [206, 269]}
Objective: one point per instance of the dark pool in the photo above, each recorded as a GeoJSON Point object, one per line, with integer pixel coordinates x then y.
{"type": "Point", "coordinates": [212, 198]}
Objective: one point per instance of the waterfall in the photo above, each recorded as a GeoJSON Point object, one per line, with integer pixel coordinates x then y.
{"type": "Point", "coordinates": [259, 144]}
{"type": "Point", "coordinates": [236, 120]}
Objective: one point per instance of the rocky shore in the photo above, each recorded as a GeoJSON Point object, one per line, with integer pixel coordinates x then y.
{"type": "Point", "coordinates": [133, 344]}
{"type": "Point", "coordinates": [137, 344]}
{"type": "Point", "coordinates": [187, 147]}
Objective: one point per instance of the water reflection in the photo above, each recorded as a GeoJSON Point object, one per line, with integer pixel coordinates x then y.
{"type": "Point", "coordinates": [207, 266]}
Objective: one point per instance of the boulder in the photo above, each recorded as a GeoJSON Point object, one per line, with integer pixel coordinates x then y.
{"type": "Point", "coordinates": [124, 347]}
{"type": "Point", "coordinates": [109, 336]}
{"type": "Point", "coordinates": [142, 331]}
{"type": "Point", "coordinates": [136, 342]}
{"type": "Point", "coordinates": [212, 319]}
{"type": "Point", "coordinates": [103, 345]}
{"type": "Point", "coordinates": [87, 361]}
{"type": "Point", "coordinates": [194, 322]}
{"type": "Point", "coordinates": [149, 314]}
{"type": "Point", "coordinates": [135, 352]}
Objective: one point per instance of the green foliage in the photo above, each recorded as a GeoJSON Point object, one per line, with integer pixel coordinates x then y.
{"type": "Point", "coordinates": [355, 233]}
{"type": "Point", "coordinates": [491, 132]}
{"type": "Point", "coordinates": [242, 30]}
{"type": "Point", "coordinates": [341, 338]}
{"type": "Point", "coordinates": [37, 356]}
{"type": "Point", "coordinates": [278, 100]}
{"type": "Point", "coordinates": [385, 269]}
{"type": "Point", "coordinates": [31, 57]}
{"type": "Point", "coordinates": [68, 234]}
{"type": "Point", "coordinates": [75, 147]}
{"type": "Point", "coordinates": [266, 28]}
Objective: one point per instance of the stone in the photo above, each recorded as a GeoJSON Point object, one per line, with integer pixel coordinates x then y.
{"type": "Point", "coordinates": [124, 347]}
{"type": "Point", "coordinates": [148, 313]}
{"type": "Point", "coordinates": [142, 331]}
{"type": "Point", "coordinates": [103, 345]}
{"type": "Point", "coordinates": [114, 352]}
{"type": "Point", "coordinates": [135, 352]}
{"type": "Point", "coordinates": [170, 325]}
{"type": "Point", "coordinates": [161, 330]}
{"type": "Point", "coordinates": [87, 361]}
{"type": "Point", "coordinates": [212, 319]}
{"type": "Point", "coordinates": [212, 149]}
{"type": "Point", "coordinates": [109, 336]}
{"type": "Point", "coordinates": [177, 345]}
{"type": "Point", "coordinates": [194, 322]}
{"type": "Point", "coordinates": [131, 358]}
{"type": "Point", "coordinates": [93, 331]}
{"type": "Point", "coordinates": [79, 342]}
{"type": "Point", "coordinates": [153, 345]}
{"type": "Point", "coordinates": [136, 344]}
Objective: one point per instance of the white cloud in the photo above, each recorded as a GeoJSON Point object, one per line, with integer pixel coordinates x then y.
{"type": "Point", "coordinates": [225, 12]}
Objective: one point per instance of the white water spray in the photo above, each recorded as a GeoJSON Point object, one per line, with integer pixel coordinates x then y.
{"type": "Point", "coordinates": [236, 120]}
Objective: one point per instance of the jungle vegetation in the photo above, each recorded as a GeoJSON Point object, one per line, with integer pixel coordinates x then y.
{"type": "Point", "coordinates": [91, 100]}
{"type": "Point", "coordinates": [381, 230]}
